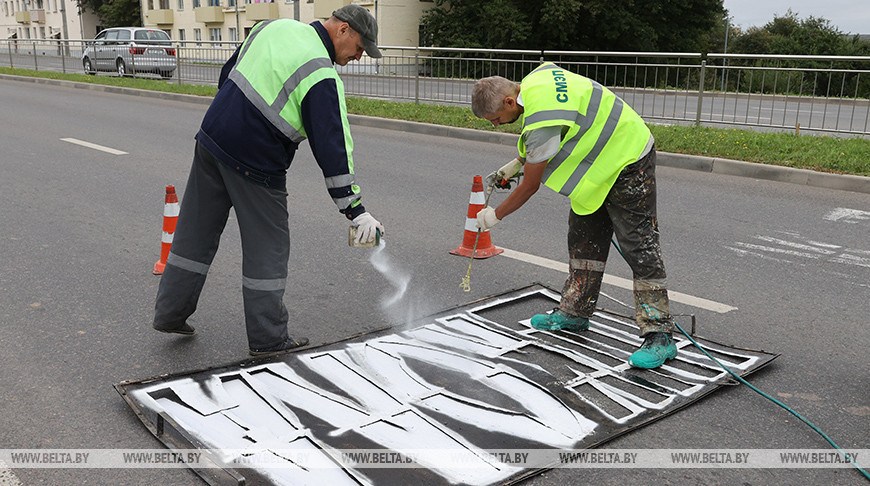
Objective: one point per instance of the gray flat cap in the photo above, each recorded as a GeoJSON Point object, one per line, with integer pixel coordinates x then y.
{"type": "Point", "coordinates": [364, 23]}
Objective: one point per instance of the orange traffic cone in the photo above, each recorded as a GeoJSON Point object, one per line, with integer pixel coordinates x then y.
{"type": "Point", "coordinates": [170, 217]}
{"type": "Point", "coordinates": [485, 248]}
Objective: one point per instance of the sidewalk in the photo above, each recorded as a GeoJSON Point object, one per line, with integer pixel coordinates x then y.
{"type": "Point", "coordinates": [692, 162]}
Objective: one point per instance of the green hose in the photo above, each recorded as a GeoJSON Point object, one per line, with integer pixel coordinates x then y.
{"type": "Point", "coordinates": [774, 400]}
{"type": "Point", "coordinates": [765, 395]}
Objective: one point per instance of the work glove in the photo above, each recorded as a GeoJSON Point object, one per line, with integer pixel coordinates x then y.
{"type": "Point", "coordinates": [501, 178]}
{"type": "Point", "coordinates": [486, 218]}
{"type": "Point", "coordinates": [366, 227]}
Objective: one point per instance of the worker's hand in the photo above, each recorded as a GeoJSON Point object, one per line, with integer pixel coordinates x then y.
{"type": "Point", "coordinates": [507, 171]}
{"type": "Point", "coordinates": [486, 218]}
{"type": "Point", "coordinates": [366, 227]}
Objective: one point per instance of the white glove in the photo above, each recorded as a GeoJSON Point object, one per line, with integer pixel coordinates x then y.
{"type": "Point", "coordinates": [367, 224]}
{"type": "Point", "coordinates": [486, 218]}
{"type": "Point", "coordinates": [506, 172]}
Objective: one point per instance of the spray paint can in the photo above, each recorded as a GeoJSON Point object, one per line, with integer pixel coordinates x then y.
{"type": "Point", "coordinates": [351, 238]}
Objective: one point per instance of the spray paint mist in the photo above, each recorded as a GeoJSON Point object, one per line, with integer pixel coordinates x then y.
{"type": "Point", "coordinates": [397, 308]}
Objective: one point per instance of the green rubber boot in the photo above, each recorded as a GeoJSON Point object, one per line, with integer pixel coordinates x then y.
{"type": "Point", "coordinates": [559, 321]}
{"type": "Point", "coordinates": [657, 348]}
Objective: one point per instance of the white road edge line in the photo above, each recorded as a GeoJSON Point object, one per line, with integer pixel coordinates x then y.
{"type": "Point", "coordinates": [94, 146]}
{"type": "Point", "coordinates": [620, 282]}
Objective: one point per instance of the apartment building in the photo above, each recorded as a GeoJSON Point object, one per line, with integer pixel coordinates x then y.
{"type": "Point", "coordinates": [206, 20]}
{"type": "Point", "coordinates": [231, 20]}
{"type": "Point", "coordinates": [46, 19]}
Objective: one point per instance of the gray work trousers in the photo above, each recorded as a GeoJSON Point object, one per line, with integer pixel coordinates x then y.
{"type": "Point", "coordinates": [629, 213]}
{"type": "Point", "coordinates": [212, 189]}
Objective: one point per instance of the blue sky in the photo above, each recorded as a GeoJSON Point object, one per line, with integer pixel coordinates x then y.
{"type": "Point", "coordinates": [849, 16]}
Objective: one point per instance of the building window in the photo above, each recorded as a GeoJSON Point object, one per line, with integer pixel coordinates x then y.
{"type": "Point", "coordinates": [231, 3]}
{"type": "Point", "coordinates": [164, 5]}
{"type": "Point", "coordinates": [180, 5]}
{"type": "Point", "coordinates": [214, 34]}
{"type": "Point", "coordinates": [181, 34]}
{"type": "Point", "coordinates": [214, 3]}
{"type": "Point", "coordinates": [197, 36]}
{"type": "Point", "coordinates": [231, 33]}
{"type": "Point", "coordinates": [196, 3]}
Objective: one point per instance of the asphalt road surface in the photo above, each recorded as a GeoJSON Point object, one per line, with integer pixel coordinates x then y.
{"type": "Point", "coordinates": [81, 233]}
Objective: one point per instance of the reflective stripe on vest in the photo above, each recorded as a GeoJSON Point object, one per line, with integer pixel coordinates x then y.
{"type": "Point", "coordinates": [589, 135]}
{"type": "Point", "coordinates": [273, 111]}
{"type": "Point", "coordinates": [585, 122]}
{"type": "Point", "coordinates": [279, 62]}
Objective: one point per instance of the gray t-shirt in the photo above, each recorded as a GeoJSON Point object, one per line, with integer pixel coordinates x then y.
{"type": "Point", "coordinates": [542, 144]}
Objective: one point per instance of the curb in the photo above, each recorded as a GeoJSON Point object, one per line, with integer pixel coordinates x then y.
{"type": "Point", "coordinates": [431, 129]}
{"type": "Point", "coordinates": [825, 180]}
{"type": "Point", "coordinates": [804, 177]}
{"type": "Point", "coordinates": [201, 100]}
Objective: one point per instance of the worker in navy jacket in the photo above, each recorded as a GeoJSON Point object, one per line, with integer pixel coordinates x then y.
{"type": "Point", "coordinates": [279, 88]}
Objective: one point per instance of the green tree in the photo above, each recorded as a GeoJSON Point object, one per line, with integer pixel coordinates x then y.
{"type": "Point", "coordinates": [634, 25]}
{"type": "Point", "coordinates": [791, 35]}
{"type": "Point", "coordinates": [717, 35]}
{"type": "Point", "coordinates": [815, 36]}
{"type": "Point", "coordinates": [114, 13]}
{"type": "Point", "coordinates": [460, 23]}
{"type": "Point", "coordinates": [684, 26]}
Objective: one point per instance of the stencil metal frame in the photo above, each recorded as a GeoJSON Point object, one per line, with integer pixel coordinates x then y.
{"type": "Point", "coordinates": [473, 379]}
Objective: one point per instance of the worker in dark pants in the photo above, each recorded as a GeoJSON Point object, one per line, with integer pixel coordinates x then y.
{"type": "Point", "coordinates": [583, 141]}
{"type": "Point", "coordinates": [278, 89]}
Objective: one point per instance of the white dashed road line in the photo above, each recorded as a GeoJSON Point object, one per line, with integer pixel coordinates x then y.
{"type": "Point", "coordinates": [94, 146]}
{"type": "Point", "coordinates": [620, 282]}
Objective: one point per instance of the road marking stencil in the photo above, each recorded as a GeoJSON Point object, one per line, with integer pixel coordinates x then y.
{"type": "Point", "coordinates": [437, 400]}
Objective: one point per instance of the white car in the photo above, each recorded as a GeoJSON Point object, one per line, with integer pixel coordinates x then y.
{"type": "Point", "coordinates": [130, 50]}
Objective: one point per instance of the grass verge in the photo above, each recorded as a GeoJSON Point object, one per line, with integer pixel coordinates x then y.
{"type": "Point", "coordinates": [103, 79]}
{"type": "Point", "coordinates": [821, 153]}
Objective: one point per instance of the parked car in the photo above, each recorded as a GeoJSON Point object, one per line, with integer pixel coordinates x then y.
{"type": "Point", "coordinates": [130, 50]}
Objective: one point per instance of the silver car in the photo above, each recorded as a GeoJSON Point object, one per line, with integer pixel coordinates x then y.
{"type": "Point", "coordinates": [130, 50]}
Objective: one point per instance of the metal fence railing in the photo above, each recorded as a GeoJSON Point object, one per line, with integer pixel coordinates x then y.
{"type": "Point", "coordinates": [193, 62]}
{"type": "Point", "coordinates": [806, 93]}
{"type": "Point", "coordinates": [821, 93]}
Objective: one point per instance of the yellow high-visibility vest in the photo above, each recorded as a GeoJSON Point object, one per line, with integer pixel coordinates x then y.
{"type": "Point", "coordinates": [604, 134]}
{"type": "Point", "coordinates": [279, 62]}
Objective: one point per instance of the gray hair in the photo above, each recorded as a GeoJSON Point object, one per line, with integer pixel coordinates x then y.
{"type": "Point", "coordinates": [489, 93]}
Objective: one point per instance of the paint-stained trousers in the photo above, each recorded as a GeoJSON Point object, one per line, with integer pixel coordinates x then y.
{"type": "Point", "coordinates": [211, 191]}
{"type": "Point", "coordinates": [629, 213]}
